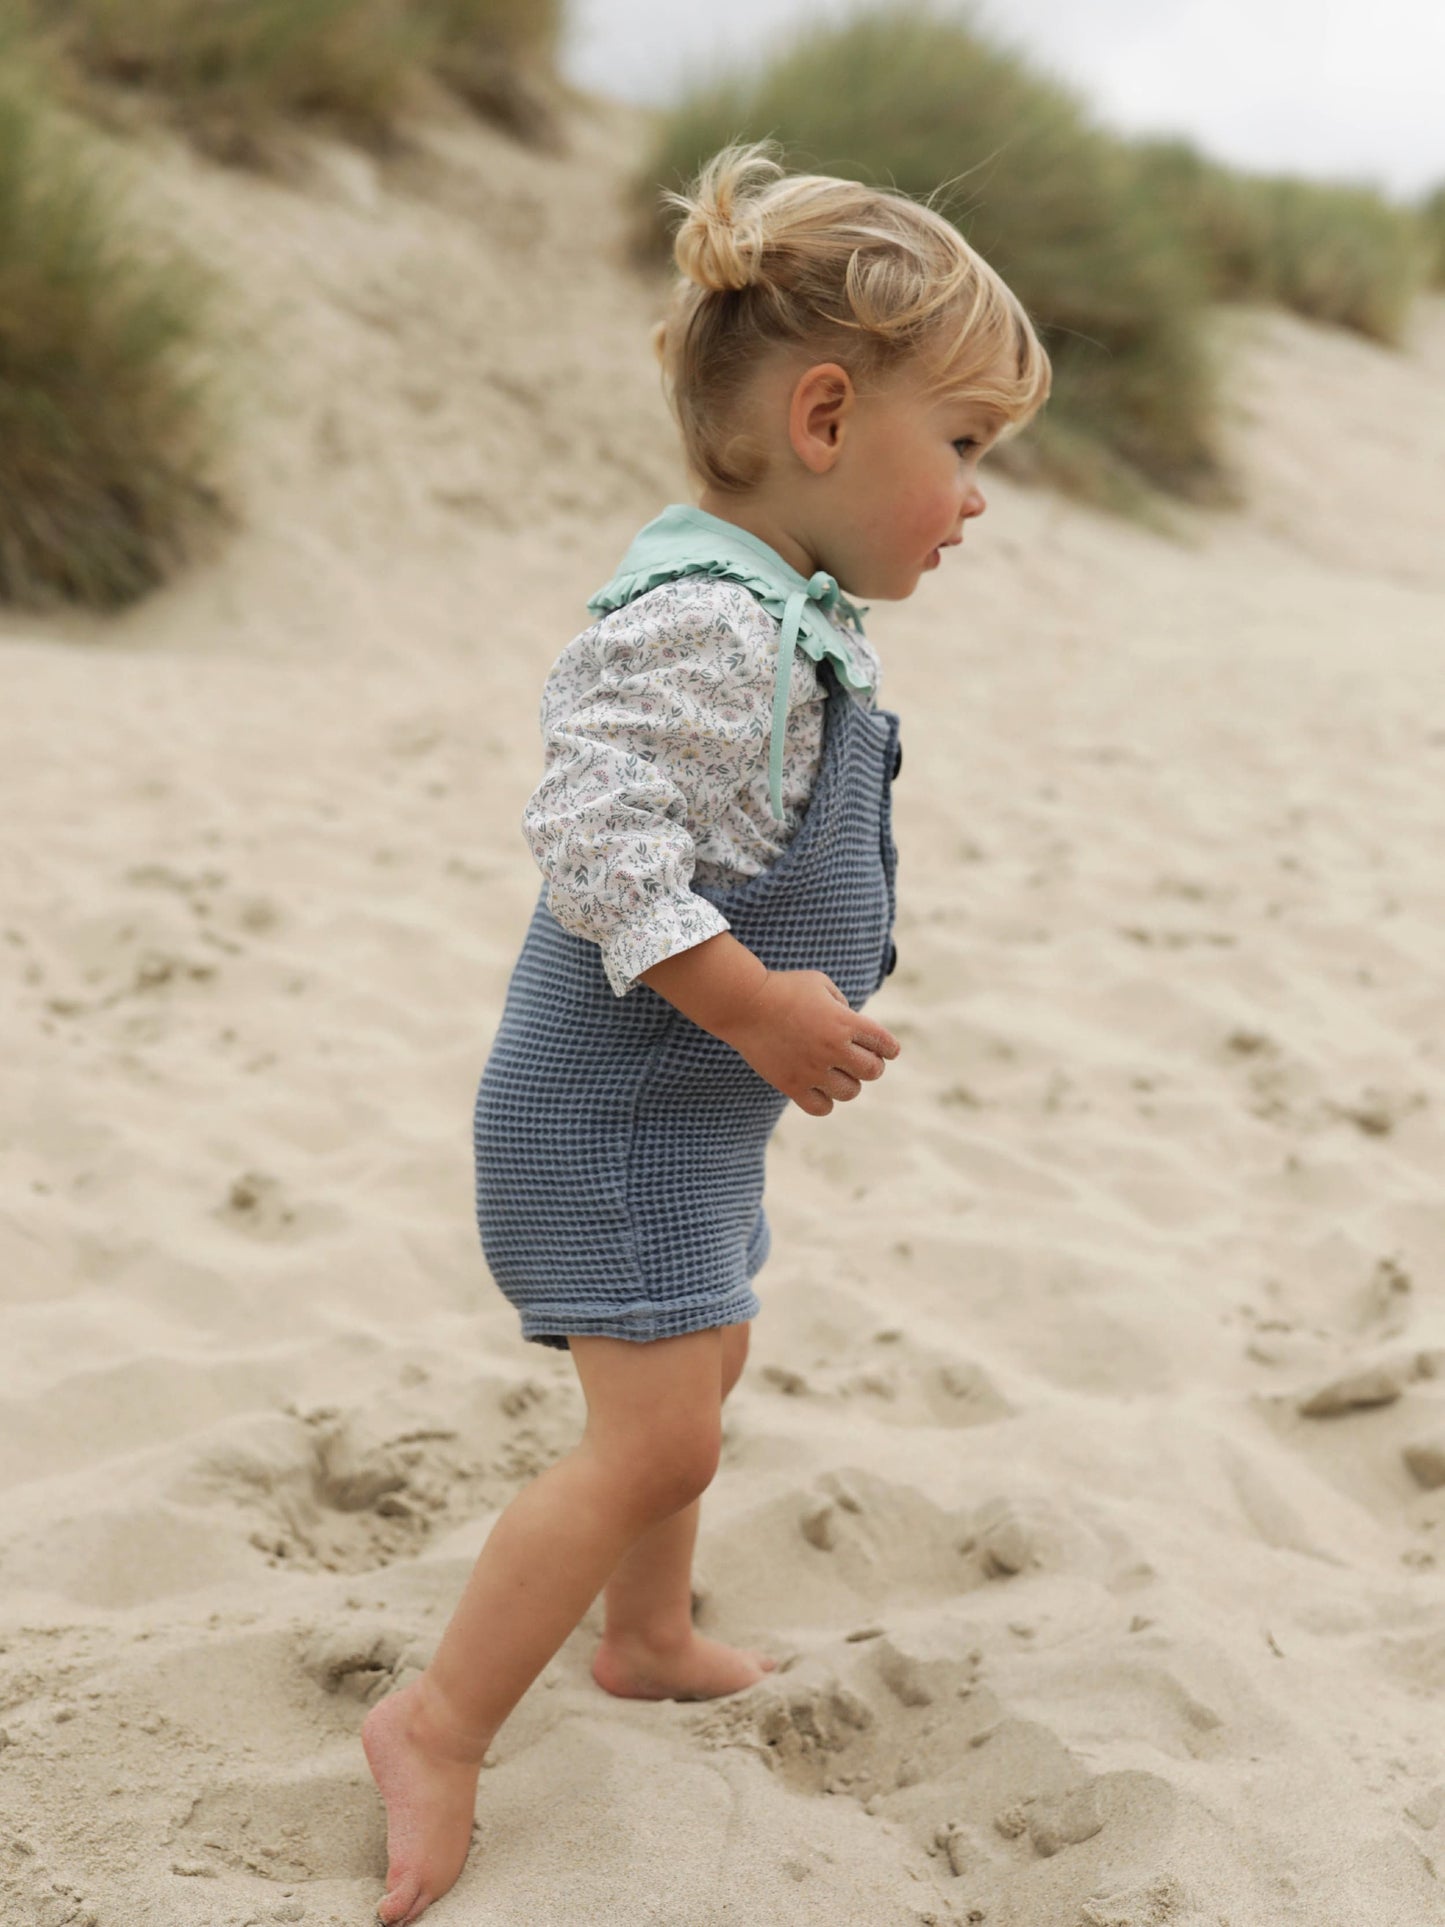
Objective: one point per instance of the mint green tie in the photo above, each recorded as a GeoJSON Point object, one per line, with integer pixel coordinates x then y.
{"type": "Point", "coordinates": [823, 589]}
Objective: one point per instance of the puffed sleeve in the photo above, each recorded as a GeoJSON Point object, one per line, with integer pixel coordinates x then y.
{"type": "Point", "coordinates": [644, 737]}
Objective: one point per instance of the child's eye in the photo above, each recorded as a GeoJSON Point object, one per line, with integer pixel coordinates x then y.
{"type": "Point", "coordinates": [966, 441]}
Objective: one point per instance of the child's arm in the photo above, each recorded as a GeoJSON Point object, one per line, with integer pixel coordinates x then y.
{"type": "Point", "coordinates": [623, 714]}
{"type": "Point", "coordinates": [608, 823]}
{"type": "Point", "coordinates": [795, 1027]}
{"type": "Point", "coordinates": [712, 983]}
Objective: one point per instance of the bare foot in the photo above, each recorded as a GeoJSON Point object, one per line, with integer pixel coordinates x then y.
{"type": "Point", "coordinates": [428, 1782]}
{"type": "Point", "coordinates": [704, 1669]}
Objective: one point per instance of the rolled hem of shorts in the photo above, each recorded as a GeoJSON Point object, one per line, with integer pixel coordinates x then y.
{"type": "Point", "coordinates": [643, 1321]}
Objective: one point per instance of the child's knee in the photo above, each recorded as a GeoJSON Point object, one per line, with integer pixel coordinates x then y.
{"type": "Point", "coordinates": [654, 1416]}
{"type": "Point", "coordinates": [661, 1469]}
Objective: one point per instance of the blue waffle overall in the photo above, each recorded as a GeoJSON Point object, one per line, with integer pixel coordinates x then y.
{"type": "Point", "coordinates": [620, 1147]}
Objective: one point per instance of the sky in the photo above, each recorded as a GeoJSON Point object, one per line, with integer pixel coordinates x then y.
{"type": "Point", "coordinates": [1333, 90]}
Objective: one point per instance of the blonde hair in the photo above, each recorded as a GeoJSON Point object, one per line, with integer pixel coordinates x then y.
{"type": "Point", "coordinates": [860, 275]}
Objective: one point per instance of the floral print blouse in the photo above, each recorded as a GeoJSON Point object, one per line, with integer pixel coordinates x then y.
{"type": "Point", "coordinates": [656, 724]}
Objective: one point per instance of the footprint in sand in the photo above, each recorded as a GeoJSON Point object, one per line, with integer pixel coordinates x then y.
{"type": "Point", "coordinates": [323, 1490]}
{"type": "Point", "coordinates": [850, 1728]}
{"type": "Point", "coordinates": [854, 1520]}
{"type": "Point", "coordinates": [260, 1206]}
{"type": "Point", "coordinates": [30, 1894]}
{"type": "Point", "coordinates": [907, 1726]}
{"type": "Point", "coordinates": [905, 1382]}
{"type": "Point", "coordinates": [286, 1827]}
{"type": "Point", "coordinates": [363, 1658]}
{"type": "Point", "coordinates": [1155, 1904]}
{"type": "Point", "coordinates": [324, 1493]}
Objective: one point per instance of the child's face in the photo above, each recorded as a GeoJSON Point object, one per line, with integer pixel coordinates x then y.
{"type": "Point", "coordinates": [903, 488]}
{"type": "Point", "coordinates": [871, 488]}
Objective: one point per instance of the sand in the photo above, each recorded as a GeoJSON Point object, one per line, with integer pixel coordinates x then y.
{"type": "Point", "coordinates": [1083, 1477]}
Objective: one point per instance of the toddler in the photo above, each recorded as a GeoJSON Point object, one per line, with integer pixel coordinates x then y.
{"type": "Point", "coordinates": [714, 833]}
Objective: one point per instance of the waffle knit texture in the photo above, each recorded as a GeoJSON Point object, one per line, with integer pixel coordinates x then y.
{"type": "Point", "coordinates": [620, 1148]}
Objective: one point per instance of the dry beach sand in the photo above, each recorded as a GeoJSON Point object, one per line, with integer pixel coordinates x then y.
{"type": "Point", "coordinates": [1081, 1475]}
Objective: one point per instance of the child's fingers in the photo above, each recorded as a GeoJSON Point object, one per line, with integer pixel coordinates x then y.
{"type": "Point", "coordinates": [877, 1039]}
{"type": "Point", "coordinates": [881, 1042]}
{"type": "Point", "coordinates": [868, 1062]}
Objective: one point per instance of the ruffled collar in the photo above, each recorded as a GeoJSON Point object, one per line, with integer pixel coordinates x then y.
{"type": "Point", "coordinates": [684, 540]}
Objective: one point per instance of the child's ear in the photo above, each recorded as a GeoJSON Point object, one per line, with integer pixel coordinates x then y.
{"type": "Point", "coordinates": [818, 414]}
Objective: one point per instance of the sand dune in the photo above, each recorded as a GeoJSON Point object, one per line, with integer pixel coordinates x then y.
{"type": "Point", "coordinates": [1088, 1470]}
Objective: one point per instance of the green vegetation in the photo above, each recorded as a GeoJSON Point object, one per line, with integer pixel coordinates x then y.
{"type": "Point", "coordinates": [111, 406]}
{"type": "Point", "coordinates": [107, 423]}
{"type": "Point", "coordinates": [1333, 252]}
{"type": "Point", "coordinates": [232, 75]}
{"type": "Point", "coordinates": [1115, 248]}
{"type": "Point", "coordinates": [110, 412]}
{"type": "Point", "coordinates": [1432, 219]}
{"type": "Point", "coordinates": [499, 56]}
{"type": "Point", "coordinates": [908, 97]}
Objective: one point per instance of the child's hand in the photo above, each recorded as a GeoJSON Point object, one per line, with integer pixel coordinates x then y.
{"type": "Point", "coordinates": [799, 1032]}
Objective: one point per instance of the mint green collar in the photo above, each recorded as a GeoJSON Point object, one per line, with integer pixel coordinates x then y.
{"type": "Point", "coordinates": [684, 540]}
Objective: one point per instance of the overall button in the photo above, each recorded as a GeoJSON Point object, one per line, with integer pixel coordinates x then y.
{"type": "Point", "coordinates": [892, 959]}
{"type": "Point", "coordinates": [897, 760]}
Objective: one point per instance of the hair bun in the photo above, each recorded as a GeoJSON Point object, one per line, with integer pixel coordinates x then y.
{"type": "Point", "coordinates": [720, 242]}
{"type": "Point", "coordinates": [717, 252]}
{"type": "Point", "coordinates": [835, 269]}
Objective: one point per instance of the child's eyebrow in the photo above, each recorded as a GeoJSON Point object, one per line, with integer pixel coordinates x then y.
{"type": "Point", "coordinates": [980, 415]}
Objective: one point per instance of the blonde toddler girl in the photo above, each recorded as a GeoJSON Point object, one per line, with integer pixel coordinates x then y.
{"type": "Point", "coordinates": [714, 832]}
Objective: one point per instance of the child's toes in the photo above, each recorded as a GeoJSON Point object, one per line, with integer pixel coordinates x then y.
{"type": "Point", "coordinates": [397, 1903]}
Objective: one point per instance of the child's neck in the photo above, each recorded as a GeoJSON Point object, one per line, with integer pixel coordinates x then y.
{"type": "Point", "coordinates": [754, 515]}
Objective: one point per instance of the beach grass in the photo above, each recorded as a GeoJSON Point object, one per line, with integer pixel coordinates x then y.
{"type": "Point", "coordinates": [910, 97]}
{"type": "Point", "coordinates": [234, 77]}
{"type": "Point", "coordinates": [1331, 251]}
{"type": "Point", "coordinates": [1431, 211]}
{"type": "Point", "coordinates": [1116, 247]}
{"type": "Point", "coordinates": [110, 413]}
{"type": "Point", "coordinates": [113, 408]}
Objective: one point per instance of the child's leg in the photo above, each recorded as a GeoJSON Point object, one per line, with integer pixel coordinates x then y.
{"type": "Point", "coordinates": [650, 1648]}
{"type": "Point", "coordinates": [650, 1447]}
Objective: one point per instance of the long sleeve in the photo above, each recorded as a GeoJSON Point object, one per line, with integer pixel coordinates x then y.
{"type": "Point", "coordinates": [652, 722]}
